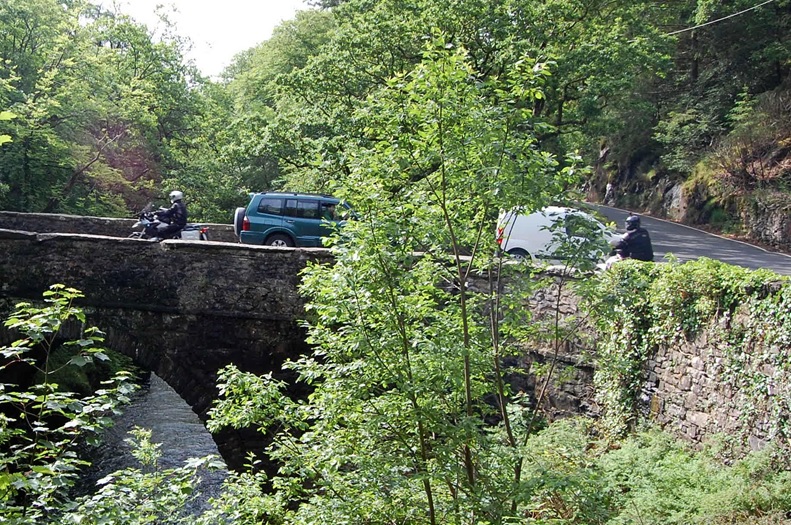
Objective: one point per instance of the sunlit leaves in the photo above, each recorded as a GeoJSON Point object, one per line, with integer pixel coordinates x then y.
{"type": "Point", "coordinates": [5, 115]}
{"type": "Point", "coordinates": [42, 426]}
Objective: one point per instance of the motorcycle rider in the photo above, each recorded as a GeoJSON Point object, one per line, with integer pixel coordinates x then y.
{"type": "Point", "coordinates": [176, 216]}
{"type": "Point", "coordinates": [636, 242]}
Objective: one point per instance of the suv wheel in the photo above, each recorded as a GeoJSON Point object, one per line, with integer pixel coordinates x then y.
{"type": "Point", "coordinates": [279, 239]}
{"type": "Point", "coordinates": [238, 218]}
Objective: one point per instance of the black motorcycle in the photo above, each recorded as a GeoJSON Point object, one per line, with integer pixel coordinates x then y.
{"type": "Point", "coordinates": [152, 225]}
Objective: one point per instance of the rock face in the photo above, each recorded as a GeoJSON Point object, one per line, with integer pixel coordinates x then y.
{"type": "Point", "coordinates": [769, 222]}
{"type": "Point", "coordinates": [763, 218]}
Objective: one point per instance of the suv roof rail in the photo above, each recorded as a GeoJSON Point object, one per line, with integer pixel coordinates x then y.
{"type": "Point", "coordinates": [297, 194]}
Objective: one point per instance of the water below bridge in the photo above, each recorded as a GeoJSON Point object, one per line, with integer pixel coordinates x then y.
{"type": "Point", "coordinates": [173, 424]}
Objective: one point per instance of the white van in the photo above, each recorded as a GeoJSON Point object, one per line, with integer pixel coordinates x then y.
{"type": "Point", "coordinates": [541, 234]}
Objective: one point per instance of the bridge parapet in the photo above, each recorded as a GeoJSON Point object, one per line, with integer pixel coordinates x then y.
{"type": "Point", "coordinates": [186, 309]}
{"type": "Point", "coordinates": [111, 227]}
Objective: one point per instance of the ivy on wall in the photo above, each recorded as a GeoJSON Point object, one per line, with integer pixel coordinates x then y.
{"type": "Point", "coordinates": [746, 315]}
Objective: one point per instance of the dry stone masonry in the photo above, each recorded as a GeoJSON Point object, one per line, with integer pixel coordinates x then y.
{"type": "Point", "coordinates": [182, 309]}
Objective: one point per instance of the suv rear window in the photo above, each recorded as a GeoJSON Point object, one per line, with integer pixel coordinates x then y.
{"type": "Point", "coordinates": [271, 206]}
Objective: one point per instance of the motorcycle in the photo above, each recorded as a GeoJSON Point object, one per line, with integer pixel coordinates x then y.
{"type": "Point", "coordinates": [152, 225]}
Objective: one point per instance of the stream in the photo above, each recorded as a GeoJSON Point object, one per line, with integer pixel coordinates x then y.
{"type": "Point", "coordinates": [174, 425]}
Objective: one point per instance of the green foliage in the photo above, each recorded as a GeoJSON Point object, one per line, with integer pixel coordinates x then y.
{"type": "Point", "coordinates": [747, 155]}
{"type": "Point", "coordinates": [622, 313]}
{"type": "Point", "coordinates": [99, 108]}
{"type": "Point", "coordinates": [653, 479]}
{"type": "Point", "coordinates": [42, 426]}
{"type": "Point", "coordinates": [685, 135]}
{"type": "Point", "coordinates": [406, 377]}
{"type": "Point", "coordinates": [567, 486]}
{"type": "Point", "coordinates": [86, 379]}
{"type": "Point", "coordinates": [242, 502]}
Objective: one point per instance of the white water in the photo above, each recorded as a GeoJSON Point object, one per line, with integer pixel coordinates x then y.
{"type": "Point", "coordinates": [174, 425]}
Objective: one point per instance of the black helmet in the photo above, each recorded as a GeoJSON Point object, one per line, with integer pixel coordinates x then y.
{"type": "Point", "coordinates": [632, 222]}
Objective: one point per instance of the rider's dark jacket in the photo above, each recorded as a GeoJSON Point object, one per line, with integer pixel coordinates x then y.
{"type": "Point", "coordinates": [637, 244]}
{"type": "Point", "coordinates": [176, 214]}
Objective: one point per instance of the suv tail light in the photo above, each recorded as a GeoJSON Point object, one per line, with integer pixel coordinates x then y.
{"type": "Point", "coordinates": [500, 231]}
{"type": "Point", "coordinates": [246, 224]}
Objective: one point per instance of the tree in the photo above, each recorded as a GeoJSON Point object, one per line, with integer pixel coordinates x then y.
{"type": "Point", "coordinates": [99, 105]}
{"type": "Point", "coordinates": [411, 418]}
{"type": "Point", "coordinates": [601, 49]}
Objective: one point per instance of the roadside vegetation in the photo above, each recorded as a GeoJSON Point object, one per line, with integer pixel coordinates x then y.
{"type": "Point", "coordinates": [429, 118]}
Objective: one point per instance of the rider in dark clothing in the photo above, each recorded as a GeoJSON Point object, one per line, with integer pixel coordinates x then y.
{"type": "Point", "coordinates": [636, 243]}
{"type": "Point", "coordinates": [176, 215]}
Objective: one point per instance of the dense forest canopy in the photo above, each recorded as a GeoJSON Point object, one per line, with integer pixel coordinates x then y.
{"type": "Point", "coordinates": [109, 116]}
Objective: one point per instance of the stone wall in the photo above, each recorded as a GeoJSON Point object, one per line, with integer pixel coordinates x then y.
{"type": "Point", "coordinates": [702, 387]}
{"type": "Point", "coordinates": [182, 309]}
{"type": "Point", "coordinates": [763, 218]}
{"type": "Point", "coordinates": [694, 388]}
{"type": "Point", "coordinates": [111, 227]}
{"type": "Point", "coordinates": [569, 390]}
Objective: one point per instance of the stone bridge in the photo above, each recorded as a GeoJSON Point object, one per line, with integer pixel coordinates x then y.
{"type": "Point", "coordinates": [180, 309]}
{"type": "Point", "coordinates": [186, 309]}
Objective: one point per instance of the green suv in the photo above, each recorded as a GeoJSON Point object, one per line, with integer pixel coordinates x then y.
{"type": "Point", "coordinates": [288, 219]}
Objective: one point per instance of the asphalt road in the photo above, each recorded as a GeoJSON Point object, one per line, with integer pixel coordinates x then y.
{"type": "Point", "coordinates": [687, 243]}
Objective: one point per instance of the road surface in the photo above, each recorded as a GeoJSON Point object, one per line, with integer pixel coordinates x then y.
{"type": "Point", "coordinates": [688, 243]}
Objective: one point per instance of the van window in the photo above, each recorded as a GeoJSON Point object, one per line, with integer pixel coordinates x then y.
{"type": "Point", "coordinates": [308, 209]}
{"type": "Point", "coordinates": [271, 206]}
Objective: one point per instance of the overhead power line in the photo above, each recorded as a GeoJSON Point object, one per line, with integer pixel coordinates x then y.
{"type": "Point", "coordinates": [721, 19]}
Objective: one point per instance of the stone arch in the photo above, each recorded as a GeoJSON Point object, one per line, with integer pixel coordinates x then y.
{"type": "Point", "coordinates": [180, 309]}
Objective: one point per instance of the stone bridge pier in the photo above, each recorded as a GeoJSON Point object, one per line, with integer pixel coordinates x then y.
{"type": "Point", "coordinates": [180, 309]}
